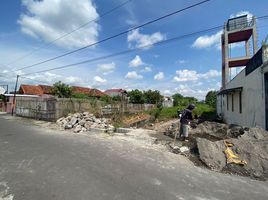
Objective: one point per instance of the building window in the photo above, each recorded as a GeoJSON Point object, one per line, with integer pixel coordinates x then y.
{"type": "Point", "coordinates": [240, 102]}
{"type": "Point", "coordinates": [227, 99]}
{"type": "Point", "coordinates": [232, 102]}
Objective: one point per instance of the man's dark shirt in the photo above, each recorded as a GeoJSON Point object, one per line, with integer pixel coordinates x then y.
{"type": "Point", "coordinates": [186, 116]}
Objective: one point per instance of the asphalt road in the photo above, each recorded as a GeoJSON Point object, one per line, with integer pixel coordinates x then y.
{"type": "Point", "coordinates": [37, 163]}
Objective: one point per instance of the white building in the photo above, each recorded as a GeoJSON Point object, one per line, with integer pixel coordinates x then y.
{"type": "Point", "coordinates": [244, 100]}
{"type": "Point", "coordinates": [167, 102]}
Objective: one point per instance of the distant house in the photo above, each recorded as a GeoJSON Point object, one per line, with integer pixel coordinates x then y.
{"type": "Point", "coordinates": [116, 92]}
{"type": "Point", "coordinates": [167, 102]}
{"type": "Point", "coordinates": [35, 89]}
{"type": "Point", "coordinates": [96, 93]}
{"type": "Point", "coordinates": [87, 91]}
{"type": "Point", "coordinates": [47, 90]}
{"type": "Point", "coordinates": [80, 90]}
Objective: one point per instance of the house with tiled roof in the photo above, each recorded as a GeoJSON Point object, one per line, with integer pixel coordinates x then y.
{"type": "Point", "coordinates": [47, 90]}
{"type": "Point", "coordinates": [30, 90]}
{"type": "Point", "coordinates": [35, 89]}
{"type": "Point", "coordinates": [87, 91]}
{"type": "Point", "coordinates": [80, 90]}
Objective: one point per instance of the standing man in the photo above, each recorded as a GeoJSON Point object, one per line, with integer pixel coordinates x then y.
{"type": "Point", "coordinates": [186, 117]}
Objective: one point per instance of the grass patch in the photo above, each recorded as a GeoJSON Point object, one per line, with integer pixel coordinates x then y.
{"type": "Point", "coordinates": [202, 110]}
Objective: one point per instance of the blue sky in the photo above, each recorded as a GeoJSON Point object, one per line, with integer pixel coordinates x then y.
{"type": "Point", "coordinates": [191, 66]}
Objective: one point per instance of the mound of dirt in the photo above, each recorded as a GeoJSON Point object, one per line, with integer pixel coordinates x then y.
{"type": "Point", "coordinates": [206, 143]}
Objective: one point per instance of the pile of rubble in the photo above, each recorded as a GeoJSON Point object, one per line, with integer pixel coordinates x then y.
{"type": "Point", "coordinates": [82, 122]}
{"type": "Point", "coordinates": [251, 146]}
{"type": "Point", "coordinates": [208, 140]}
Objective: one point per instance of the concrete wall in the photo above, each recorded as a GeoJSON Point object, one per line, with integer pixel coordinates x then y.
{"type": "Point", "coordinates": [50, 109]}
{"type": "Point", "coordinates": [37, 108]}
{"type": "Point", "coordinates": [64, 106]}
{"type": "Point", "coordinates": [253, 99]}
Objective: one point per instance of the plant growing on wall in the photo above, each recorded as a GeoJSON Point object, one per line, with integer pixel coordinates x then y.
{"type": "Point", "coordinates": [265, 41]}
{"type": "Point", "coordinates": [61, 90]}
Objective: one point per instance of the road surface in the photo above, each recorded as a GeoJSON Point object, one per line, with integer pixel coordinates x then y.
{"type": "Point", "coordinates": [38, 163]}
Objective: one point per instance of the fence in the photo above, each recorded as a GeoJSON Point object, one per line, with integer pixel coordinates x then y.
{"type": "Point", "coordinates": [50, 109]}
{"type": "Point", "coordinates": [37, 108]}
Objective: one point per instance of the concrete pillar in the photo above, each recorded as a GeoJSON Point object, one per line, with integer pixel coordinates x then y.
{"type": "Point", "coordinates": [254, 36]}
{"type": "Point", "coordinates": [226, 59]}
{"type": "Point", "coordinates": [247, 48]}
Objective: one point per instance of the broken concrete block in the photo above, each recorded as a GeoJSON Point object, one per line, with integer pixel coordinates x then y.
{"type": "Point", "coordinates": [68, 126]}
{"type": "Point", "coordinates": [73, 121]}
{"type": "Point", "coordinates": [184, 149]}
{"type": "Point", "coordinates": [82, 122]}
{"type": "Point", "coordinates": [211, 153]}
{"type": "Point", "coordinates": [78, 129]}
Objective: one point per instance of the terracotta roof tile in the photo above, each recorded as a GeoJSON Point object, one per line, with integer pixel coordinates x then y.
{"type": "Point", "coordinates": [114, 90]}
{"type": "Point", "coordinates": [30, 89]}
{"type": "Point", "coordinates": [80, 90]}
{"type": "Point", "coordinates": [46, 89]}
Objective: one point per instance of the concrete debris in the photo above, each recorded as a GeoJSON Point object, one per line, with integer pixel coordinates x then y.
{"type": "Point", "coordinates": [251, 146]}
{"type": "Point", "coordinates": [184, 149]}
{"type": "Point", "coordinates": [172, 129]}
{"type": "Point", "coordinates": [206, 143]}
{"type": "Point", "coordinates": [82, 122]}
{"type": "Point", "coordinates": [211, 153]}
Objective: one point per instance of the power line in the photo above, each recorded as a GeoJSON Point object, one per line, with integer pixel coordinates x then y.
{"type": "Point", "coordinates": [72, 31]}
{"type": "Point", "coordinates": [129, 50]}
{"type": "Point", "coordinates": [136, 49]}
{"type": "Point", "coordinates": [36, 80]}
{"type": "Point", "coordinates": [117, 35]}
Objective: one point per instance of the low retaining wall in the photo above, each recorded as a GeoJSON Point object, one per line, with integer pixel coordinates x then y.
{"type": "Point", "coordinates": [51, 109]}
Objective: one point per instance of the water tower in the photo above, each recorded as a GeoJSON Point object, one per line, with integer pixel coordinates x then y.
{"type": "Point", "coordinates": [238, 29]}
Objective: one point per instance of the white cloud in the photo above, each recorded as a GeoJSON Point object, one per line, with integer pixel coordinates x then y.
{"type": "Point", "coordinates": [133, 75]}
{"type": "Point", "coordinates": [72, 80]}
{"type": "Point", "coordinates": [186, 75]}
{"type": "Point", "coordinates": [181, 62]}
{"type": "Point", "coordinates": [210, 74]}
{"type": "Point", "coordinates": [208, 41]}
{"type": "Point", "coordinates": [187, 90]}
{"type": "Point", "coordinates": [167, 92]}
{"type": "Point", "coordinates": [99, 81]}
{"type": "Point", "coordinates": [192, 75]}
{"type": "Point", "coordinates": [241, 13]}
{"type": "Point", "coordinates": [106, 68]}
{"type": "Point", "coordinates": [160, 76]}
{"type": "Point", "coordinates": [50, 78]}
{"type": "Point", "coordinates": [147, 69]}
{"type": "Point", "coordinates": [139, 40]}
{"type": "Point", "coordinates": [51, 19]}
{"type": "Point", "coordinates": [136, 62]}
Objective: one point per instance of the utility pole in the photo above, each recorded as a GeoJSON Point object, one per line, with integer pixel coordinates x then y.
{"type": "Point", "coordinates": [14, 97]}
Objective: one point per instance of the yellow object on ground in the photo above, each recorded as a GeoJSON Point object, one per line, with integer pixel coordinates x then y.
{"type": "Point", "coordinates": [230, 156]}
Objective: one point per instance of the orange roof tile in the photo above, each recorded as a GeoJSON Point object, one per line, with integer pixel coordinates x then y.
{"type": "Point", "coordinates": [30, 89]}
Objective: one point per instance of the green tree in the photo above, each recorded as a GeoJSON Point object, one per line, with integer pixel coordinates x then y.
{"type": "Point", "coordinates": [136, 96]}
{"type": "Point", "coordinates": [177, 98]}
{"type": "Point", "coordinates": [117, 98]}
{"type": "Point", "coordinates": [61, 90]}
{"type": "Point", "coordinates": [80, 96]}
{"type": "Point", "coordinates": [106, 99]}
{"type": "Point", "coordinates": [153, 97]}
{"type": "Point", "coordinates": [211, 98]}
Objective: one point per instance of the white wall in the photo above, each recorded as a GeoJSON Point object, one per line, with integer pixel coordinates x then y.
{"type": "Point", "coordinates": [253, 99]}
